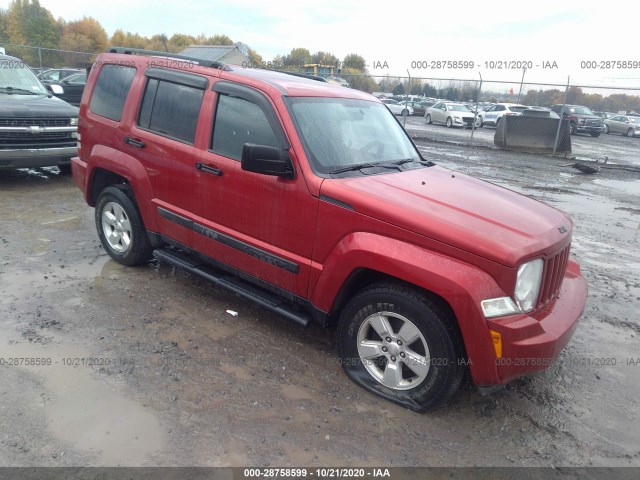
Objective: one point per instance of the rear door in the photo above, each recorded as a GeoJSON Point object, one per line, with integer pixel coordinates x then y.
{"type": "Point", "coordinates": [163, 139]}
{"type": "Point", "coordinates": [257, 224]}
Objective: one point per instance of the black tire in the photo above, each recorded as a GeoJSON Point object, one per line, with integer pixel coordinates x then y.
{"type": "Point", "coordinates": [606, 129]}
{"type": "Point", "coordinates": [65, 169]}
{"type": "Point", "coordinates": [573, 128]}
{"type": "Point", "coordinates": [138, 250]}
{"type": "Point", "coordinates": [498, 122]}
{"type": "Point", "coordinates": [449, 122]}
{"type": "Point", "coordinates": [595, 134]}
{"type": "Point", "coordinates": [630, 133]}
{"type": "Point", "coordinates": [405, 112]}
{"type": "Point", "coordinates": [443, 356]}
{"type": "Point", "coordinates": [428, 117]}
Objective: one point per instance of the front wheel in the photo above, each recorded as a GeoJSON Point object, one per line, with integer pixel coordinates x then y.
{"type": "Point", "coordinates": [120, 227]}
{"type": "Point", "coordinates": [449, 122]}
{"type": "Point", "coordinates": [405, 112]}
{"type": "Point", "coordinates": [606, 129]}
{"type": "Point", "coordinates": [397, 343]}
{"type": "Point", "coordinates": [428, 117]}
{"type": "Point", "coordinates": [630, 133]}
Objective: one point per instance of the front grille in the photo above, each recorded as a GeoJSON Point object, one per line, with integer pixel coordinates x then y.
{"type": "Point", "coordinates": [30, 122]}
{"type": "Point", "coordinates": [27, 140]}
{"type": "Point", "coordinates": [468, 120]}
{"type": "Point", "coordinates": [552, 275]}
{"type": "Point", "coordinates": [594, 123]}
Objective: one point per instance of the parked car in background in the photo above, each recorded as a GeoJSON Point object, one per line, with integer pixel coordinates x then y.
{"type": "Point", "coordinates": [581, 118]}
{"type": "Point", "coordinates": [491, 116]}
{"type": "Point", "coordinates": [419, 107]}
{"type": "Point", "coordinates": [396, 107]}
{"type": "Point", "coordinates": [605, 115]}
{"type": "Point", "coordinates": [338, 81]}
{"type": "Point", "coordinates": [57, 74]}
{"type": "Point", "coordinates": [624, 125]}
{"type": "Point", "coordinates": [36, 128]}
{"type": "Point", "coordinates": [450, 113]}
{"type": "Point", "coordinates": [71, 86]}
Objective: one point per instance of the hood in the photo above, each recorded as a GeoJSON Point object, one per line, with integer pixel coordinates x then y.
{"type": "Point", "coordinates": [476, 216]}
{"type": "Point", "coordinates": [34, 106]}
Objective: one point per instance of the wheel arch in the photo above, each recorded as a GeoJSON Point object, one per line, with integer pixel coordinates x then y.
{"type": "Point", "coordinates": [108, 167]}
{"type": "Point", "coordinates": [455, 286]}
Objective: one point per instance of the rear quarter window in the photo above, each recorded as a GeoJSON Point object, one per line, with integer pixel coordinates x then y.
{"type": "Point", "coordinates": [111, 90]}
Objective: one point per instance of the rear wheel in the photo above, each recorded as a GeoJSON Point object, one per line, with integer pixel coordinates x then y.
{"type": "Point", "coordinates": [449, 122]}
{"type": "Point", "coordinates": [630, 133]}
{"type": "Point", "coordinates": [405, 112]}
{"type": "Point", "coordinates": [606, 129]}
{"type": "Point", "coordinates": [397, 343]}
{"type": "Point", "coordinates": [120, 227]}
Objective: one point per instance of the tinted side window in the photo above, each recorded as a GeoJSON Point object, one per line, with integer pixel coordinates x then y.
{"type": "Point", "coordinates": [171, 109]}
{"type": "Point", "coordinates": [238, 122]}
{"type": "Point", "coordinates": [111, 91]}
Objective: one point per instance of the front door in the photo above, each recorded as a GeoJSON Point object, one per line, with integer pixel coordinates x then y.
{"type": "Point", "coordinates": [258, 224]}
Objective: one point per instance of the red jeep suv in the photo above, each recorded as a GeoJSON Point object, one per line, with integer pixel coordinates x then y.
{"type": "Point", "coordinates": [311, 200]}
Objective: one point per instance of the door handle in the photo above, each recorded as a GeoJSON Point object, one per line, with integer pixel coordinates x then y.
{"type": "Point", "coordinates": [208, 169]}
{"type": "Point", "coordinates": [134, 143]}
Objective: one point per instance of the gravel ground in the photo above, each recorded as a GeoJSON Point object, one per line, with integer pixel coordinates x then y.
{"type": "Point", "coordinates": [147, 368]}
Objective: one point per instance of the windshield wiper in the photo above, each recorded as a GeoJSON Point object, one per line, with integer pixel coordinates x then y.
{"type": "Point", "coordinates": [19, 90]}
{"type": "Point", "coordinates": [413, 160]}
{"type": "Point", "coordinates": [359, 166]}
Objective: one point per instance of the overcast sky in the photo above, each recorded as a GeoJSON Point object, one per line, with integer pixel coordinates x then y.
{"type": "Point", "coordinates": [399, 33]}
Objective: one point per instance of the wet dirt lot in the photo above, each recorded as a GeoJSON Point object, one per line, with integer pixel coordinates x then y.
{"type": "Point", "coordinates": [143, 366]}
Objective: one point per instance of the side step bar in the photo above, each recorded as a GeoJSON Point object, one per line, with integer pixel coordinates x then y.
{"type": "Point", "coordinates": [243, 289]}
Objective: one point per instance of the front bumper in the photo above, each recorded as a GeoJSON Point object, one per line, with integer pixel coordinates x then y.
{"type": "Point", "coordinates": [36, 157]}
{"type": "Point", "coordinates": [589, 129]}
{"type": "Point", "coordinates": [533, 342]}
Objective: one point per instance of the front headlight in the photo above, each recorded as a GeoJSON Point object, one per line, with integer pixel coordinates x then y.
{"type": "Point", "coordinates": [73, 121]}
{"type": "Point", "coordinates": [528, 284]}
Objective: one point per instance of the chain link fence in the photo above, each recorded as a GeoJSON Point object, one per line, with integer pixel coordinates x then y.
{"type": "Point", "coordinates": [40, 59]}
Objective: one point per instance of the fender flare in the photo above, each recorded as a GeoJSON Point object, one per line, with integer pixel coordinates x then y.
{"type": "Point", "coordinates": [130, 168]}
{"type": "Point", "coordinates": [461, 285]}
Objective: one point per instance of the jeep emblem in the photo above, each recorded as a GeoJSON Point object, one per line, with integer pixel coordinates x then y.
{"type": "Point", "coordinates": [562, 229]}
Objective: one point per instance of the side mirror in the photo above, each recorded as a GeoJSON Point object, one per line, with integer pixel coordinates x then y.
{"type": "Point", "coordinates": [55, 89]}
{"type": "Point", "coordinates": [266, 160]}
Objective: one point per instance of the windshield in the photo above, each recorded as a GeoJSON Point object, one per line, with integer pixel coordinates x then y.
{"type": "Point", "coordinates": [581, 111]}
{"type": "Point", "coordinates": [339, 132]}
{"type": "Point", "coordinates": [634, 120]}
{"type": "Point", "coordinates": [458, 108]}
{"type": "Point", "coordinates": [16, 75]}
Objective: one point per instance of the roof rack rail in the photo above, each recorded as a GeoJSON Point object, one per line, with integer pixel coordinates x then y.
{"type": "Point", "coordinates": [304, 75]}
{"type": "Point", "coordinates": [155, 53]}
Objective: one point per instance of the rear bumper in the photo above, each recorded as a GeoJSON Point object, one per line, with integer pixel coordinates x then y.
{"type": "Point", "coordinates": [36, 157]}
{"type": "Point", "coordinates": [533, 343]}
